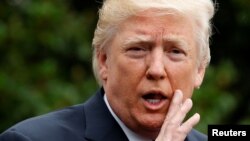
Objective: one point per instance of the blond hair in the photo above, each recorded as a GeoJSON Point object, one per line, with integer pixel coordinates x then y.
{"type": "Point", "coordinates": [114, 12]}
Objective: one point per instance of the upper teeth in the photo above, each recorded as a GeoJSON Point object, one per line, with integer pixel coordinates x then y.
{"type": "Point", "coordinates": [153, 101]}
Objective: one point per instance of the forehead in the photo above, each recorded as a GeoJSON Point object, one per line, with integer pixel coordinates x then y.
{"type": "Point", "coordinates": [162, 20]}
{"type": "Point", "coordinates": [150, 25]}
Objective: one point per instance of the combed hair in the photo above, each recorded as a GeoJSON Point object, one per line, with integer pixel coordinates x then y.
{"type": "Point", "coordinates": [114, 12]}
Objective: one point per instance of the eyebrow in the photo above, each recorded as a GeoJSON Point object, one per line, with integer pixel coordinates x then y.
{"type": "Point", "coordinates": [178, 40]}
{"type": "Point", "coordinates": [137, 40]}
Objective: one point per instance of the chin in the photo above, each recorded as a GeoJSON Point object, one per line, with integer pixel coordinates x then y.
{"type": "Point", "coordinates": [150, 130]}
{"type": "Point", "coordinates": [152, 124]}
{"type": "Point", "coordinates": [148, 124]}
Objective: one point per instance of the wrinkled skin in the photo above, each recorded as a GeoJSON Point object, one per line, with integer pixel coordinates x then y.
{"type": "Point", "coordinates": [149, 60]}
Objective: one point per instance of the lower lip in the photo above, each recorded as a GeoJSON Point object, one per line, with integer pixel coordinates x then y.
{"type": "Point", "coordinates": [154, 106]}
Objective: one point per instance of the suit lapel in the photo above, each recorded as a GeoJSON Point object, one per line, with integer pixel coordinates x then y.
{"type": "Point", "coordinates": [100, 124]}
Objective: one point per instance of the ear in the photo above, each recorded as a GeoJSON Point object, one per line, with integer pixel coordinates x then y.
{"type": "Point", "coordinates": [103, 67]}
{"type": "Point", "coordinates": [199, 76]}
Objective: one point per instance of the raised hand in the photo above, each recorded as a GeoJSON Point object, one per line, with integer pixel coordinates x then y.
{"type": "Point", "coordinates": [173, 128]}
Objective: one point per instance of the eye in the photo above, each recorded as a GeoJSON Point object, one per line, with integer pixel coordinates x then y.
{"type": "Point", "coordinates": [136, 51]}
{"type": "Point", "coordinates": [176, 54]}
{"type": "Point", "coordinates": [176, 51]}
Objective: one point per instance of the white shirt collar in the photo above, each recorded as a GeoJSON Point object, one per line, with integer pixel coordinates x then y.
{"type": "Point", "coordinates": [132, 136]}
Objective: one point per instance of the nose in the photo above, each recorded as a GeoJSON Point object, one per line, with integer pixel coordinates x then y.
{"type": "Point", "coordinates": [156, 67]}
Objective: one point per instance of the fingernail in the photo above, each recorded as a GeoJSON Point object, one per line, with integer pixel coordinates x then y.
{"type": "Point", "coordinates": [177, 95]}
{"type": "Point", "coordinates": [197, 116]}
{"type": "Point", "coordinates": [187, 104]}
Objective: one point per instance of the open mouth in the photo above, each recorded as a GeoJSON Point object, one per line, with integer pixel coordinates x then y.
{"type": "Point", "coordinates": [154, 98]}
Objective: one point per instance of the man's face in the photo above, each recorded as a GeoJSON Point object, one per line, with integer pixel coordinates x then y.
{"type": "Point", "coordinates": [148, 59]}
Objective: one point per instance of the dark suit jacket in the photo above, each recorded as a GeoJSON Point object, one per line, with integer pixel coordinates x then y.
{"type": "Point", "coordinates": [90, 121]}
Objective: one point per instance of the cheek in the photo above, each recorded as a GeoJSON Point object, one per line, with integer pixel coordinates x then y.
{"type": "Point", "coordinates": [183, 78]}
{"type": "Point", "coordinates": [122, 83]}
{"type": "Point", "coordinates": [128, 71]}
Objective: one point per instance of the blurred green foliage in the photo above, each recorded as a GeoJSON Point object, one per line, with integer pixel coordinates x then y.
{"type": "Point", "coordinates": [213, 100]}
{"type": "Point", "coordinates": [45, 61]}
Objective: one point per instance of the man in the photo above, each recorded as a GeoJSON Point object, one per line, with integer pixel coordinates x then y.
{"type": "Point", "coordinates": [149, 56]}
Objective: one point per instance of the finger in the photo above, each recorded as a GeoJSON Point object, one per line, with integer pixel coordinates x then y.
{"type": "Point", "coordinates": [176, 120]}
{"type": "Point", "coordinates": [187, 126]}
{"type": "Point", "coordinates": [175, 104]}
{"type": "Point", "coordinates": [181, 114]}
{"type": "Point", "coordinates": [182, 131]}
{"type": "Point", "coordinates": [174, 130]}
{"type": "Point", "coordinates": [173, 109]}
